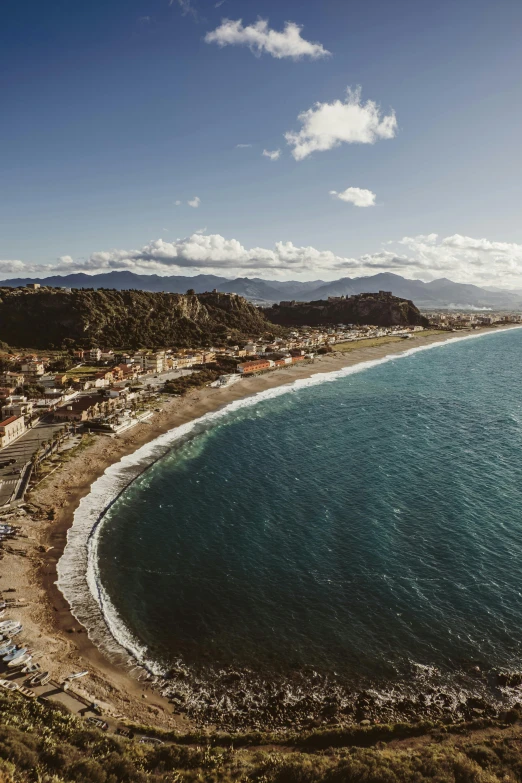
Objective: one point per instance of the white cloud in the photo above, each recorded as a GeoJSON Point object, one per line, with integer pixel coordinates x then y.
{"type": "Point", "coordinates": [186, 7]}
{"type": "Point", "coordinates": [177, 203]}
{"type": "Point", "coordinates": [327, 125]}
{"type": "Point", "coordinates": [359, 197]}
{"type": "Point", "coordinates": [14, 268]}
{"type": "Point", "coordinates": [195, 202]}
{"type": "Point", "coordinates": [259, 37]}
{"type": "Point", "coordinates": [461, 258]}
{"type": "Point", "coordinates": [273, 155]}
{"type": "Point", "coordinates": [242, 146]}
{"type": "Point", "coordinates": [466, 259]}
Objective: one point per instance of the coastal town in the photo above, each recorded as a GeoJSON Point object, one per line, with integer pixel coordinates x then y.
{"type": "Point", "coordinates": [68, 408]}
{"type": "Point", "coordinates": [48, 397]}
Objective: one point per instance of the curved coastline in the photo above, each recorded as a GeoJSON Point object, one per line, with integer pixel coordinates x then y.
{"type": "Point", "coordinates": [78, 576]}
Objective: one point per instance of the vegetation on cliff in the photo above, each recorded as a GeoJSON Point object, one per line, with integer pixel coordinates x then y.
{"type": "Point", "coordinates": [380, 309]}
{"type": "Point", "coordinates": [44, 743]}
{"type": "Point", "coordinates": [53, 318]}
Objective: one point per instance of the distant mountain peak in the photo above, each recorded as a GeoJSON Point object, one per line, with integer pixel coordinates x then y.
{"type": "Point", "coordinates": [435, 294]}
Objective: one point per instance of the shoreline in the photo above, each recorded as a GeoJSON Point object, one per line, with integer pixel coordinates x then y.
{"type": "Point", "coordinates": [48, 617]}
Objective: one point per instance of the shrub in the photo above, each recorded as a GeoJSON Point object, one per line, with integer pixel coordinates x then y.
{"type": "Point", "coordinates": [122, 769]}
{"type": "Point", "coordinates": [59, 757]}
{"type": "Point", "coordinates": [18, 753]}
{"type": "Point", "coordinates": [87, 771]}
{"type": "Point", "coordinates": [484, 756]}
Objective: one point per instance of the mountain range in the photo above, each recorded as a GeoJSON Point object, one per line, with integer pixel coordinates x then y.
{"type": "Point", "coordinates": [442, 293]}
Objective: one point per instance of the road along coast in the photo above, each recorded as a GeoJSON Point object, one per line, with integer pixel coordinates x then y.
{"type": "Point", "coordinates": [49, 626]}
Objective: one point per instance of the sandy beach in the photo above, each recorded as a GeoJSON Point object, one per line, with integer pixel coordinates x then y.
{"type": "Point", "coordinates": [29, 570]}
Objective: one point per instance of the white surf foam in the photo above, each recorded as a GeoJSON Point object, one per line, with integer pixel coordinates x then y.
{"type": "Point", "coordinates": [78, 573]}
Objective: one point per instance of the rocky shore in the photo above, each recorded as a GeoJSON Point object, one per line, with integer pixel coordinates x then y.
{"type": "Point", "coordinates": [235, 699]}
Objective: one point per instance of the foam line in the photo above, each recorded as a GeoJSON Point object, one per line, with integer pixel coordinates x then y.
{"type": "Point", "coordinates": [78, 572]}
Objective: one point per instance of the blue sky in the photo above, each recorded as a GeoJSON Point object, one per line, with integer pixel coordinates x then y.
{"type": "Point", "coordinates": [114, 110]}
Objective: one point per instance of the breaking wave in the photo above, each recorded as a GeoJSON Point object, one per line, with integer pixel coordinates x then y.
{"type": "Point", "coordinates": [78, 570]}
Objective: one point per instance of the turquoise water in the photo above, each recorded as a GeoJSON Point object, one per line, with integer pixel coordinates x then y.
{"type": "Point", "coordinates": [354, 527]}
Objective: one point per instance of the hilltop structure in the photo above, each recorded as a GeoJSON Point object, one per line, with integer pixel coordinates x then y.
{"type": "Point", "coordinates": [381, 309]}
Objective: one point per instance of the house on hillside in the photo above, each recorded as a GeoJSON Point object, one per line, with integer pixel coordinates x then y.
{"type": "Point", "coordinates": [13, 379]}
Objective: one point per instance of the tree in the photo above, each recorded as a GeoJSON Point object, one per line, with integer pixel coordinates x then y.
{"type": "Point", "coordinates": [35, 462]}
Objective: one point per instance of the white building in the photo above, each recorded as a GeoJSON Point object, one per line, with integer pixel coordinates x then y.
{"type": "Point", "coordinates": [33, 368]}
{"type": "Point", "coordinates": [139, 360]}
{"type": "Point", "coordinates": [95, 354]}
{"type": "Point", "coordinates": [11, 429]}
{"type": "Point", "coordinates": [17, 406]}
{"type": "Point", "coordinates": [154, 362]}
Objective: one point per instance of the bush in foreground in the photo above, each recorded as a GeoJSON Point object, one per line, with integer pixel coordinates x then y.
{"type": "Point", "coordinates": [39, 744]}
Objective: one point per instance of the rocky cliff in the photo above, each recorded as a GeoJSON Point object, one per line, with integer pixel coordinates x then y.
{"type": "Point", "coordinates": [380, 309]}
{"type": "Point", "coordinates": [57, 318]}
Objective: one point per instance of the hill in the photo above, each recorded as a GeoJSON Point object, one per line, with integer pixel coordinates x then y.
{"type": "Point", "coordinates": [54, 318]}
{"type": "Point", "coordinates": [381, 309]}
{"type": "Point", "coordinates": [436, 294]}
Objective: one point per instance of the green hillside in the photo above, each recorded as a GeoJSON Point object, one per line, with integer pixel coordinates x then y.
{"type": "Point", "coordinates": [53, 318]}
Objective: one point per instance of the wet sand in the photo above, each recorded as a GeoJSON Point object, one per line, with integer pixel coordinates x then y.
{"type": "Point", "coordinates": [49, 626]}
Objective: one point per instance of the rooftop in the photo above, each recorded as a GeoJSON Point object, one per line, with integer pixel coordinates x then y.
{"type": "Point", "coordinates": [80, 404]}
{"type": "Point", "coordinates": [9, 420]}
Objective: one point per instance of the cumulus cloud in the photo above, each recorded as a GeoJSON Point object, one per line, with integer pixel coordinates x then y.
{"type": "Point", "coordinates": [359, 197]}
{"type": "Point", "coordinates": [195, 202]}
{"type": "Point", "coordinates": [273, 155]}
{"type": "Point", "coordinates": [259, 37]}
{"type": "Point", "coordinates": [177, 203]}
{"type": "Point", "coordinates": [211, 252]}
{"type": "Point", "coordinates": [13, 268]}
{"type": "Point", "coordinates": [327, 125]}
{"type": "Point", "coordinates": [461, 258]}
{"type": "Point", "coordinates": [466, 258]}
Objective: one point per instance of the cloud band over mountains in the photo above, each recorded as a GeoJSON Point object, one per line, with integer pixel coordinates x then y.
{"type": "Point", "coordinates": [427, 256]}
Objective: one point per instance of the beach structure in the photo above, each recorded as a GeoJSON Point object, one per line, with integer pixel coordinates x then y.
{"type": "Point", "coordinates": [261, 365]}
{"type": "Point", "coordinates": [226, 380]}
{"type": "Point", "coordinates": [258, 365]}
{"type": "Point", "coordinates": [82, 408]}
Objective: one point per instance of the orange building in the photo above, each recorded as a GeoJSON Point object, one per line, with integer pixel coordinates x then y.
{"type": "Point", "coordinates": [255, 366]}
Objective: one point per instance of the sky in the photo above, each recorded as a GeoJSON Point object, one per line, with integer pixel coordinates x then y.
{"type": "Point", "coordinates": [283, 139]}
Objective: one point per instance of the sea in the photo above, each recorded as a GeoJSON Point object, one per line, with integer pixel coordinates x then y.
{"type": "Point", "coordinates": [359, 531]}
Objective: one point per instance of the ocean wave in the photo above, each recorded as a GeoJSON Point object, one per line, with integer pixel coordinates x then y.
{"type": "Point", "coordinates": [78, 571]}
